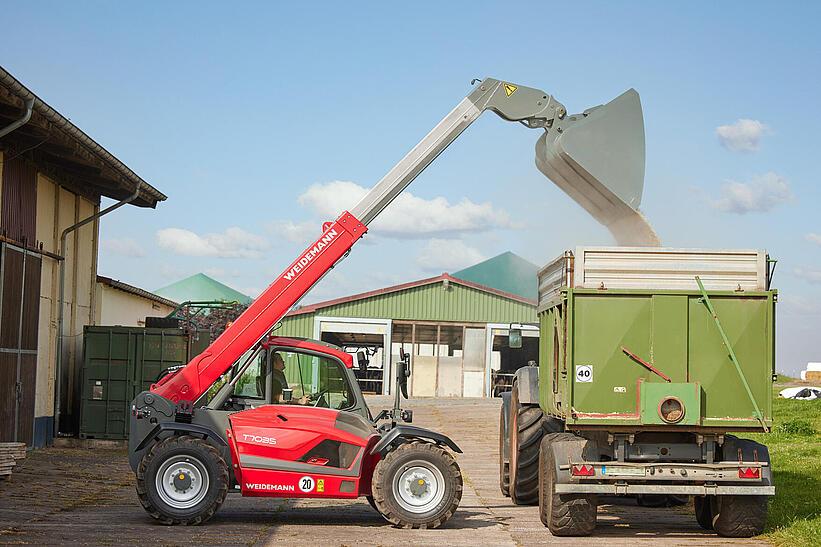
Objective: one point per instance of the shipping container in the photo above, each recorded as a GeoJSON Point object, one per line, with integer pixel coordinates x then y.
{"type": "Point", "coordinates": [120, 362]}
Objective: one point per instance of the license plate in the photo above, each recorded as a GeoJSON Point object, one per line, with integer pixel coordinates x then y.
{"type": "Point", "coordinates": [619, 470]}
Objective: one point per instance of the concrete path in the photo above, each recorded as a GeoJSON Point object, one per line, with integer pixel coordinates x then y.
{"type": "Point", "coordinates": [81, 496]}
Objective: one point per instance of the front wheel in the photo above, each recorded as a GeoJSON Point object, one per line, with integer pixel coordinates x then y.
{"type": "Point", "coordinates": [182, 480]}
{"type": "Point", "coordinates": [417, 485]}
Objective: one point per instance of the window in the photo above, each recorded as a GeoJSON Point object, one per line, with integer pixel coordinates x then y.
{"type": "Point", "coordinates": [251, 384]}
{"type": "Point", "coordinates": [312, 379]}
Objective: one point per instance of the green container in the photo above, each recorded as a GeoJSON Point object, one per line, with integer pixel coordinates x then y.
{"type": "Point", "coordinates": [589, 380]}
{"type": "Point", "coordinates": [119, 363]}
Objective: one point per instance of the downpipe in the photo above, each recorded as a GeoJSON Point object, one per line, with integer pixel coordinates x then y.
{"type": "Point", "coordinates": [21, 122]}
{"type": "Point", "coordinates": [61, 300]}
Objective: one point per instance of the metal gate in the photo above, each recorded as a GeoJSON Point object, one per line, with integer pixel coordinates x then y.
{"type": "Point", "coordinates": [19, 315]}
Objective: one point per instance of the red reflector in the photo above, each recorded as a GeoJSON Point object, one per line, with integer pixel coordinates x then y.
{"type": "Point", "coordinates": [749, 473]}
{"type": "Point", "coordinates": [582, 471]}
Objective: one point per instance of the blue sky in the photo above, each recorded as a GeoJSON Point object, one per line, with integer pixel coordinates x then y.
{"type": "Point", "coordinates": [258, 120]}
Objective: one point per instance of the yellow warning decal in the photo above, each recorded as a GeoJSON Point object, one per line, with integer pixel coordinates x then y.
{"type": "Point", "coordinates": [510, 89]}
{"type": "Point", "coordinates": [320, 485]}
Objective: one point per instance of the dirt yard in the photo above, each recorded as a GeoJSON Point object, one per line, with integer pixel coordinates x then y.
{"type": "Point", "coordinates": [82, 496]}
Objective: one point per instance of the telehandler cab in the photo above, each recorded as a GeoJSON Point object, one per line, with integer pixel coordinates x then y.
{"type": "Point", "coordinates": [282, 417]}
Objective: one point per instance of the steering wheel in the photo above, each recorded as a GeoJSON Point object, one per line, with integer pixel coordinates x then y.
{"type": "Point", "coordinates": [319, 397]}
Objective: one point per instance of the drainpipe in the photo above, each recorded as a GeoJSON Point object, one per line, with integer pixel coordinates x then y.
{"type": "Point", "coordinates": [21, 122]}
{"type": "Point", "coordinates": [73, 227]}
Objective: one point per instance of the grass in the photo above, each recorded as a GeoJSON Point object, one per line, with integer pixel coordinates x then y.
{"type": "Point", "coordinates": [795, 452]}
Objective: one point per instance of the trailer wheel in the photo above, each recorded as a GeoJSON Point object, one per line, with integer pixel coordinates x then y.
{"type": "Point", "coordinates": [417, 485]}
{"type": "Point", "coordinates": [740, 516]}
{"type": "Point", "coordinates": [704, 511]}
{"type": "Point", "coordinates": [563, 514]}
{"type": "Point", "coordinates": [527, 426]}
{"type": "Point", "coordinates": [504, 463]}
{"type": "Point", "coordinates": [182, 480]}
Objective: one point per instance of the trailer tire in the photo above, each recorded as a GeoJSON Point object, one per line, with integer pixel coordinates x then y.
{"type": "Point", "coordinates": [563, 514]}
{"type": "Point", "coordinates": [740, 516]}
{"type": "Point", "coordinates": [527, 427]}
{"type": "Point", "coordinates": [504, 464]}
{"type": "Point", "coordinates": [203, 472]}
{"type": "Point", "coordinates": [703, 508]}
{"type": "Point", "coordinates": [397, 506]}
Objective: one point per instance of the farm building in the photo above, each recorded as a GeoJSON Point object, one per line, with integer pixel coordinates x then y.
{"type": "Point", "coordinates": [201, 288]}
{"type": "Point", "coordinates": [125, 305]}
{"type": "Point", "coordinates": [456, 330]}
{"type": "Point", "coordinates": [52, 179]}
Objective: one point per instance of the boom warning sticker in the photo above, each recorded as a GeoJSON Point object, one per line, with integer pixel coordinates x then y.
{"type": "Point", "coordinates": [306, 484]}
{"type": "Point", "coordinates": [584, 373]}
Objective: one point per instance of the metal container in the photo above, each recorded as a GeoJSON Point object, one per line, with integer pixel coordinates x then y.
{"type": "Point", "coordinates": [119, 363]}
{"type": "Point", "coordinates": [612, 354]}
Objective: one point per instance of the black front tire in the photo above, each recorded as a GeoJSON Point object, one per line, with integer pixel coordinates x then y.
{"type": "Point", "coordinates": [740, 516]}
{"type": "Point", "coordinates": [563, 514]}
{"type": "Point", "coordinates": [187, 450]}
{"type": "Point", "coordinates": [389, 470]}
{"type": "Point", "coordinates": [527, 426]}
{"type": "Point", "coordinates": [704, 511]}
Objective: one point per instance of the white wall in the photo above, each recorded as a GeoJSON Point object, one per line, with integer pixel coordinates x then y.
{"type": "Point", "coordinates": [116, 307]}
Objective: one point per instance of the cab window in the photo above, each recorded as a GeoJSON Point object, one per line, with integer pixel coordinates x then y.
{"type": "Point", "coordinates": [310, 380]}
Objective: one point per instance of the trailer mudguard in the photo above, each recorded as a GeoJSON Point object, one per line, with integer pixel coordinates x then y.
{"type": "Point", "coordinates": [735, 450]}
{"type": "Point", "coordinates": [527, 380]}
{"type": "Point", "coordinates": [570, 450]}
{"type": "Point", "coordinates": [411, 432]}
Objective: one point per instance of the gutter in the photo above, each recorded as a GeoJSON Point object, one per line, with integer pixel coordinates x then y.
{"type": "Point", "coordinates": [21, 122]}
{"type": "Point", "coordinates": [63, 124]}
{"type": "Point", "coordinates": [61, 301]}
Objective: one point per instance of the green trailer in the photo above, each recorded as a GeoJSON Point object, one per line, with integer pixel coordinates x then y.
{"type": "Point", "coordinates": [649, 359]}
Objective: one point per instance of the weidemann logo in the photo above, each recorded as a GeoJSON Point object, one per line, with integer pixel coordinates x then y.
{"type": "Point", "coordinates": [275, 487]}
{"type": "Point", "coordinates": [310, 255]}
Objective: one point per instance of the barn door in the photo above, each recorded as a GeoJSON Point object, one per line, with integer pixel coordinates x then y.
{"type": "Point", "coordinates": [19, 314]}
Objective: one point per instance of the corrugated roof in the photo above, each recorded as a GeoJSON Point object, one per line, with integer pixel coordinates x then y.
{"type": "Point", "coordinates": [200, 287]}
{"type": "Point", "coordinates": [52, 141]}
{"type": "Point", "coordinates": [410, 285]}
{"type": "Point", "coordinates": [506, 272]}
{"type": "Point", "coordinates": [135, 290]}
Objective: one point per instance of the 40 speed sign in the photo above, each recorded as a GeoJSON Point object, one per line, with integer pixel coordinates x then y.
{"type": "Point", "coordinates": [584, 373]}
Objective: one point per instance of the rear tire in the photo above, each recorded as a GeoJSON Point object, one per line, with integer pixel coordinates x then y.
{"type": "Point", "coordinates": [740, 516]}
{"type": "Point", "coordinates": [526, 432]}
{"type": "Point", "coordinates": [417, 485]}
{"type": "Point", "coordinates": [504, 464]}
{"type": "Point", "coordinates": [182, 480]}
{"type": "Point", "coordinates": [704, 511]}
{"type": "Point", "coordinates": [563, 514]}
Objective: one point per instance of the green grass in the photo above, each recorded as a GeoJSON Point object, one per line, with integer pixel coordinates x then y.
{"type": "Point", "coordinates": [795, 451]}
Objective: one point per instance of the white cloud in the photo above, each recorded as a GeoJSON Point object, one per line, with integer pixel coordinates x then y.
{"type": "Point", "coordinates": [814, 238]}
{"type": "Point", "coordinates": [742, 136]}
{"type": "Point", "coordinates": [295, 232]}
{"type": "Point", "coordinates": [408, 216]}
{"type": "Point", "coordinates": [447, 255]}
{"type": "Point", "coordinates": [123, 246]}
{"type": "Point", "coordinates": [232, 243]}
{"type": "Point", "coordinates": [811, 275]}
{"type": "Point", "coordinates": [761, 194]}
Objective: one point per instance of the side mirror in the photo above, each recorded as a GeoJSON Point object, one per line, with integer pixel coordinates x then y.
{"type": "Point", "coordinates": [363, 361]}
{"type": "Point", "coordinates": [287, 395]}
{"type": "Point", "coordinates": [514, 338]}
{"type": "Point", "coordinates": [403, 372]}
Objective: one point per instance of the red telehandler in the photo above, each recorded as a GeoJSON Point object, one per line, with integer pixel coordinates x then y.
{"type": "Point", "coordinates": [282, 417]}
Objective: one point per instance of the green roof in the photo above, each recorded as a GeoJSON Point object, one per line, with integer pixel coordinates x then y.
{"type": "Point", "coordinates": [506, 272]}
{"type": "Point", "coordinates": [200, 287]}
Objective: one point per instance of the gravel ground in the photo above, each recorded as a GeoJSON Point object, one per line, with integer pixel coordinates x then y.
{"type": "Point", "coordinates": [83, 496]}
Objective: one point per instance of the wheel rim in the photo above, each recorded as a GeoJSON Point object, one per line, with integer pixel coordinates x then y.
{"type": "Point", "coordinates": [182, 482]}
{"type": "Point", "coordinates": [419, 487]}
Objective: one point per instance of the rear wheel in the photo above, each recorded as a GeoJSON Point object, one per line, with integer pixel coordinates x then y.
{"type": "Point", "coordinates": [526, 432]}
{"type": "Point", "coordinates": [504, 463]}
{"type": "Point", "coordinates": [182, 480]}
{"type": "Point", "coordinates": [740, 516]}
{"type": "Point", "coordinates": [704, 511]}
{"type": "Point", "coordinates": [563, 514]}
{"type": "Point", "coordinates": [417, 485]}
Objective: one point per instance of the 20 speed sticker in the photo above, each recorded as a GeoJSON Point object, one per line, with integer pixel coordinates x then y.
{"type": "Point", "coordinates": [306, 484]}
{"type": "Point", "coordinates": [584, 373]}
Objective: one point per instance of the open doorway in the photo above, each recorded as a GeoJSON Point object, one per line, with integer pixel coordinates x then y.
{"type": "Point", "coordinates": [504, 360]}
{"type": "Point", "coordinates": [368, 336]}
